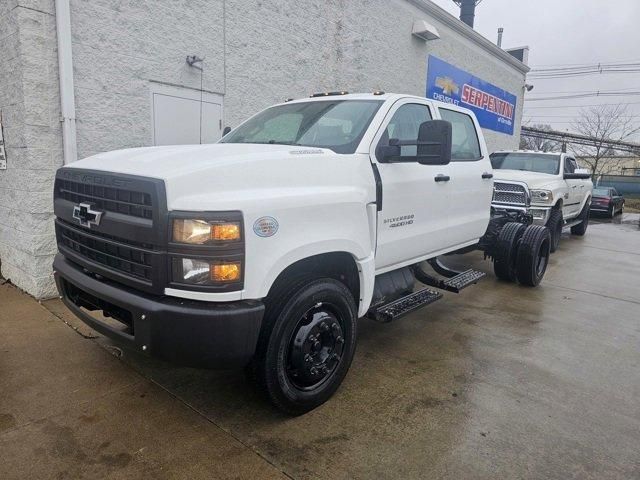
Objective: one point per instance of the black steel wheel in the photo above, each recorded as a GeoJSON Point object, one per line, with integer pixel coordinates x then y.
{"type": "Point", "coordinates": [533, 255]}
{"type": "Point", "coordinates": [306, 344]}
{"type": "Point", "coordinates": [554, 224]}
{"type": "Point", "coordinates": [581, 228]}
{"type": "Point", "coordinates": [504, 261]}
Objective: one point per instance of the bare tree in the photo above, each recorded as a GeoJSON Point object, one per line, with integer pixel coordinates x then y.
{"type": "Point", "coordinates": [603, 123]}
{"type": "Point", "coordinates": [539, 144]}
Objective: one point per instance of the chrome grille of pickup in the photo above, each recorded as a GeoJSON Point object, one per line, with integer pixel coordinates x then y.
{"type": "Point", "coordinates": [110, 199]}
{"type": "Point", "coordinates": [109, 251]}
{"type": "Point", "coordinates": [510, 194]}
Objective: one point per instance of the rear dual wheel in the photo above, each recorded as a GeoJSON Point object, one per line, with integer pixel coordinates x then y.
{"type": "Point", "coordinates": [522, 253]}
{"type": "Point", "coordinates": [581, 228]}
{"type": "Point", "coordinates": [533, 255]}
{"type": "Point", "coordinates": [504, 262]}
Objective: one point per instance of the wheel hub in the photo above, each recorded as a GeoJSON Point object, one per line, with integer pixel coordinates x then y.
{"type": "Point", "coordinates": [316, 347]}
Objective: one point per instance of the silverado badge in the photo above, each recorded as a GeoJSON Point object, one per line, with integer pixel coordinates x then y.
{"type": "Point", "coordinates": [86, 216]}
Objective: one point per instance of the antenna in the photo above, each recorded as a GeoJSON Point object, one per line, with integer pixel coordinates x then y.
{"type": "Point", "coordinates": [467, 10]}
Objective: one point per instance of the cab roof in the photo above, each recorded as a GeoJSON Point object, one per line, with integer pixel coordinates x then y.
{"type": "Point", "coordinates": [379, 96]}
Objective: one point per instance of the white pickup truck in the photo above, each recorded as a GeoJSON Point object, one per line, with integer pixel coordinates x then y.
{"type": "Point", "coordinates": [264, 249]}
{"type": "Point", "coordinates": [548, 185]}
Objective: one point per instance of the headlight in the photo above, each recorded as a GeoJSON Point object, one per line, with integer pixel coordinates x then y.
{"type": "Point", "coordinates": [197, 271]}
{"type": "Point", "coordinates": [201, 232]}
{"type": "Point", "coordinates": [541, 196]}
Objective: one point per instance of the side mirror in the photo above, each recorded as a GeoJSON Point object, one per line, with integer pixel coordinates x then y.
{"type": "Point", "coordinates": [226, 130]}
{"type": "Point", "coordinates": [579, 174]}
{"type": "Point", "coordinates": [434, 142]}
{"type": "Point", "coordinates": [390, 153]}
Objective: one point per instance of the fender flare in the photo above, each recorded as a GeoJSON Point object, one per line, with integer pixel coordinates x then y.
{"type": "Point", "coordinates": [365, 266]}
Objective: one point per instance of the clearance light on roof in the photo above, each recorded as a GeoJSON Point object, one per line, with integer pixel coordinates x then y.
{"type": "Point", "coordinates": [328, 94]}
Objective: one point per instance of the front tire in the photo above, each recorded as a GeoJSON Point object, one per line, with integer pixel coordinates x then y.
{"type": "Point", "coordinates": [306, 345]}
{"type": "Point", "coordinates": [554, 224]}
{"type": "Point", "coordinates": [533, 255]}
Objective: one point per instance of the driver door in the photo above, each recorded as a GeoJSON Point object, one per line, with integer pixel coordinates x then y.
{"type": "Point", "coordinates": [413, 221]}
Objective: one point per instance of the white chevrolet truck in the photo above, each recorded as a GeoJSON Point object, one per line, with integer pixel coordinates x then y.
{"type": "Point", "coordinates": [264, 249]}
{"type": "Point", "coordinates": [548, 185]}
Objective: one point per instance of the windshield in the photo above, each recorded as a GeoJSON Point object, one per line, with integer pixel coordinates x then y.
{"type": "Point", "coordinates": [335, 124]}
{"type": "Point", "coordinates": [600, 192]}
{"type": "Point", "coordinates": [528, 162]}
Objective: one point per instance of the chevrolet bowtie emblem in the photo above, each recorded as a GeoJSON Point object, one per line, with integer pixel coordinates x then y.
{"type": "Point", "coordinates": [447, 85]}
{"type": "Point", "coordinates": [87, 217]}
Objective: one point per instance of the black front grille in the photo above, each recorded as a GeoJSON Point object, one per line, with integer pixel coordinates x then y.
{"type": "Point", "coordinates": [110, 199]}
{"type": "Point", "coordinates": [510, 194]}
{"type": "Point", "coordinates": [108, 251]}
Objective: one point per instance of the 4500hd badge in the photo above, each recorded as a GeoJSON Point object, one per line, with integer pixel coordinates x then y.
{"type": "Point", "coordinates": [402, 221]}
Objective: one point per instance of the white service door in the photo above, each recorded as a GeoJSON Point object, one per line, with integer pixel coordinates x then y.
{"type": "Point", "coordinates": [413, 222]}
{"type": "Point", "coordinates": [179, 118]}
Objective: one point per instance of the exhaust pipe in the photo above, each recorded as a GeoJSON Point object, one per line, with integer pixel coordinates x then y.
{"type": "Point", "coordinates": [467, 10]}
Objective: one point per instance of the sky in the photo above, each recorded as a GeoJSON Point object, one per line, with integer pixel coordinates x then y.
{"type": "Point", "coordinates": [564, 33]}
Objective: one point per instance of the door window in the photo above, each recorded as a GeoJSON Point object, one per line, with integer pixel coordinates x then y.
{"type": "Point", "coordinates": [404, 125]}
{"type": "Point", "coordinates": [569, 165]}
{"type": "Point", "coordinates": [465, 144]}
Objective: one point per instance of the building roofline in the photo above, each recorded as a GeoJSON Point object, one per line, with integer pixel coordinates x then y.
{"type": "Point", "coordinates": [465, 30]}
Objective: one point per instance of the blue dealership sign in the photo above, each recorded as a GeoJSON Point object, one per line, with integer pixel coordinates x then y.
{"type": "Point", "coordinates": [494, 107]}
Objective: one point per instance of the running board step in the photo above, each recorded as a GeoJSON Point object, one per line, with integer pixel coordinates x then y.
{"type": "Point", "coordinates": [453, 283]}
{"type": "Point", "coordinates": [402, 306]}
{"type": "Point", "coordinates": [463, 280]}
{"type": "Point", "coordinates": [572, 223]}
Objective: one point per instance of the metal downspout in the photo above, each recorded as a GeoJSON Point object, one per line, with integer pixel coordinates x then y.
{"type": "Point", "coordinates": [65, 69]}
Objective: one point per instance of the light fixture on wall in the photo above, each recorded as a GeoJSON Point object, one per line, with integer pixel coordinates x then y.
{"type": "Point", "coordinates": [193, 60]}
{"type": "Point", "coordinates": [424, 30]}
{"type": "Point", "coordinates": [528, 87]}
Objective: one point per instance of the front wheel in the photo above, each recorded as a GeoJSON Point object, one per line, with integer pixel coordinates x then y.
{"type": "Point", "coordinates": [554, 224]}
{"type": "Point", "coordinates": [306, 345]}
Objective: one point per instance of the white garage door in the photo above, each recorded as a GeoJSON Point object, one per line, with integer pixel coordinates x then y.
{"type": "Point", "coordinates": [179, 117]}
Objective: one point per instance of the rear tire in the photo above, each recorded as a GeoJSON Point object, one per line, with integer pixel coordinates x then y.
{"type": "Point", "coordinates": [555, 224]}
{"type": "Point", "coordinates": [533, 255]}
{"type": "Point", "coordinates": [306, 344]}
{"type": "Point", "coordinates": [581, 228]}
{"type": "Point", "coordinates": [504, 261]}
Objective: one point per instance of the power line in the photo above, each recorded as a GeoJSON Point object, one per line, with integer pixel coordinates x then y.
{"type": "Point", "coordinates": [582, 64]}
{"type": "Point", "coordinates": [586, 95]}
{"type": "Point", "coordinates": [580, 91]}
{"type": "Point", "coordinates": [581, 106]}
{"type": "Point", "coordinates": [567, 72]}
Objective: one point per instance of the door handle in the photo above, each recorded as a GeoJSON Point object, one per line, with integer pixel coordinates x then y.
{"type": "Point", "coordinates": [442, 178]}
{"type": "Point", "coordinates": [575, 186]}
{"type": "Point", "coordinates": [581, 186]}
{"type": "Point", "coordinates": [487, 175]}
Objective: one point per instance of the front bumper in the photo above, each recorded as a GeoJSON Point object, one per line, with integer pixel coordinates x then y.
{"type": "Point", "coordinates": [540, 214]}
{"type": "Point", "coordinates": [185, 332]}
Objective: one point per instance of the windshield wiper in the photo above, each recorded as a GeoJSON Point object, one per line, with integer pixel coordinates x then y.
{"type": "Point", "coordinates": [273, 142]}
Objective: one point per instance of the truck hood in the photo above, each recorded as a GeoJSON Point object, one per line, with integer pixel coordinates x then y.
{"type": "Point", "coordinates": [227, 175]}
{"type": "Point", "coordinates": [532, 179]}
